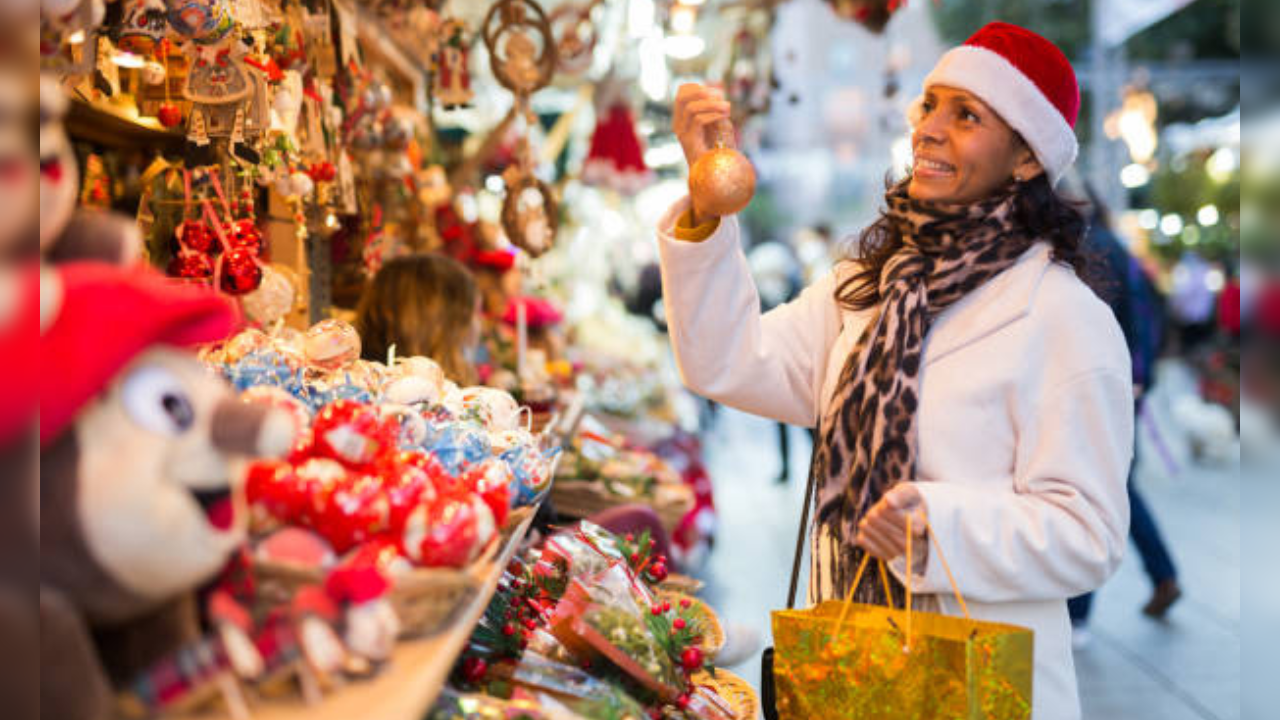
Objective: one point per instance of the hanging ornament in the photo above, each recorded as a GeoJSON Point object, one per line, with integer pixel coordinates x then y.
{"type": "Point", "coordinates": [141, 27]}
{"type": "Point", "coordinates": [451, 85]}
{"type": "Point", "coordinates": [748, 77]}
{"type": "Point", "coordinates": [522, 64]}
{"type": "Point", "coordinates": [275, 297]}
{"type": "Point", "coordinates": [722, 181]}
{"type": "Point", "coordinates": [239, 271]}
{"type": "Point", "coordinates": [196, 236]}
{"type": "Point", "coordinates": [169, 114]}
{"type": "Point", "coordinates": [245, 235]}
{"type": "Point", "coordinates": [205, 21]}
{"type": "Point", "coordinates": [616, 157]}
{"type": "Point", "coordinates": [528, 211]}
{"type": "Point", "coordinates": [575, 36]}
{"type": "Point", "coordinates": [227, 98]}
{"type": "Point", "coordinates": [189, 265]}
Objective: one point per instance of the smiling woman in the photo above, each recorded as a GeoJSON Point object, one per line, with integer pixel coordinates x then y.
{"type": "Point", "coordinates": [958, 368]}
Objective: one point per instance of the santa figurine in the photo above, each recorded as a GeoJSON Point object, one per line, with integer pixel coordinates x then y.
{"type": "Point", "coordinates": [453, 80]}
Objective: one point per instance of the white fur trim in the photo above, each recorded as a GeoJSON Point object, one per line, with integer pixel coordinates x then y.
{"type": "Point", "coordinates": [1016, 98]}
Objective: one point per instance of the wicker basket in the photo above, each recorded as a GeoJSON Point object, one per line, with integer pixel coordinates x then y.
{"type": "Point", "coordinates": [584, 498]}
{"type": "Point", "coordinates": [735, 691]}
{"type": "Point", "coordinates": [676, 582]}
{"type": "Point", "coordinates": [712, 630]}
{"type": "Point", "coordinates": [425, 599]}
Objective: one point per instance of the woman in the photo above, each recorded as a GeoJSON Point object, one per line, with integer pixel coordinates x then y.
{"type": "Point", "coordinates": [959, 370]}
{"type": "Point", "coordinates": [424, 305]}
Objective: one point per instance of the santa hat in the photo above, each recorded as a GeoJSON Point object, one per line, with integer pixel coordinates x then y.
{"type": "Point", "coordinates": [1027, 80]}
{"type": "Point", "coordinates": [102, 317]}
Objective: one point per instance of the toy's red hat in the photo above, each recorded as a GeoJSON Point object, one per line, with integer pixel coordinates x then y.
{"type": "Point", "coordinates": [103, 316]}
{"type": "Point", "coordinates": [1027, 80]}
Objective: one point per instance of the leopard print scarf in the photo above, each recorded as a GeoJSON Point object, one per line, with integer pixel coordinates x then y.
{"type": "Point", "coordinates": [868, 431]}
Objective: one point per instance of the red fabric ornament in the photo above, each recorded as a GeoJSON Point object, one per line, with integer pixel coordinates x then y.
{"type": "Point", "coordinates": [240, 272]}
{"type": "Point", "coordinates": [314, 480]}
{"type": "Point", "coordinates": [446, 485]}
{"type": "Point", "coordinates": [616, 157]}
{"type": "Point", "coordinates": [195, 235]}
{"type": "Point", "coordinates": [191, 266]}
{"type": "Point", "coordinates": [353, 512]}
{"type": "Point", "coordinates": [491, 480]}
{"type": "Point", "coordinates": [407, 486]}
{"type": "Point", "coordinates": [244, 234]}
{"type": "Point", "coordinates": [353, 433]}
{"type": "Point", "coordinates": [356, 585]}
{"type": "Point", "coordinates": [442, 534]}
{"type": "Point", "coordinates": [382, 552]}
{"type": "Point", "coordinates": [270, 487]}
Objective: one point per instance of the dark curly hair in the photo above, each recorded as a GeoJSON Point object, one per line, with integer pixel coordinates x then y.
{"type": "Point", "coordinates": [1037, 207]}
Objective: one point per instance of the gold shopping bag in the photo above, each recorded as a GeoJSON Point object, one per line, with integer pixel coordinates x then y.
{"type": "Point", "coordinates": [843, 660]}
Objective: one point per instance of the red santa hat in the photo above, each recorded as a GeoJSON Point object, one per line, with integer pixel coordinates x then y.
{"type": "Point", "coordinates": [100, 317]}
{"type": "Point", "coordinates": [1027, 80]}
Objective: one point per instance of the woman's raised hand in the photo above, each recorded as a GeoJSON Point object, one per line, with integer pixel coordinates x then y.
{"type": "Point", "coordinates": [698, 107]}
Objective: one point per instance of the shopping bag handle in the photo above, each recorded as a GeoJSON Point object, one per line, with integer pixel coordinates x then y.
{"type": "Point", "coordinates": [910, 575]}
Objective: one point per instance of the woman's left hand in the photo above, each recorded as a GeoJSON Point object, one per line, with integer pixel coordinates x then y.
{"type": "Point", "coordinates": [883, 531]}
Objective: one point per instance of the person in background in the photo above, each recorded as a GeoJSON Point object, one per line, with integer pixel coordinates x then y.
{"type": "Point", "coordinates": [1139, 309]}
{"type": "Point", "coordinates": [424, 304]}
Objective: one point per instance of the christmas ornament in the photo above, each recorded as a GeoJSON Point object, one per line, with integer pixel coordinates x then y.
{"type": "Point", "coordinates": [274, 298]}
{"type": "Point", "coordinates": [239, 271]}
{"type": "Point", "coordinates": [169, 115]}
{"type": "Point", "coordinates": [722, 181]}
{"type": "Point", "coordinates": [616, 157]}
{"type": "Point", "coordinates": [331, 344]}
{"type": "Point", "coordinates": [521, 64]}
{"type": "Point", "coordinates": [191, 266]}
{"type": "Point", "coordinates": [153, 73]}
{"type": "Point", "coordinates": [353, 433]}
{"type": "Point", "coordinates": [529, 210]}
{"type": "Point", "coordinates": [452, 80]}
{"type": "Point", "coordinates": [575, 36]}
{"type": "Point", "coordinates": [142, 25]}
{"type": "Point", "coordinates": [245, 235]}
{"type": "Point", "coordinates": [444, 533]}
{"type": "Point", "coordinates": [201, 20]}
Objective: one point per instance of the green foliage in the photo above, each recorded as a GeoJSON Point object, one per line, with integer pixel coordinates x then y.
{"type": "Point", "coordinates": [1183, 187]}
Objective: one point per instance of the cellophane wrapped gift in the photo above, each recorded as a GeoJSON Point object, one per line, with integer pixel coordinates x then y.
{"type": "Point", "coordinates": [952, 669]}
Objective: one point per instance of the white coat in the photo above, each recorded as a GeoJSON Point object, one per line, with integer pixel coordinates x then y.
{"type": "Point", "coordinates": [1025, 424]}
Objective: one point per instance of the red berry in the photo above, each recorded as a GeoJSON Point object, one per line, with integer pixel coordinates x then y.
{"type": "Point", "coordinates": [530, 624]}
{"type": "Point", "coordinates": [682, 702]}
{"type": "Point", "coordinates": [656, 609]}
{"type": "Point", "coordinates": [678, 624]}
{"type": "Point", "coordinates": [631, 538]}
{"type": "Point", "coordinates": [685, 603]}
{"type": "Point", "coordinates": [691, 659]}
{"type": "Point", "coordinates": [635, 558]}
{"type": "Point", "coordinates": [508, 629]}
{"type": "Point", "coordinates": [658, 571]}
{"type": "Point", "coordinates": [666, 606]}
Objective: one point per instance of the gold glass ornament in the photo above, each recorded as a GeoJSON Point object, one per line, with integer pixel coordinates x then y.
{"type": "Point", "coordinates": [722, 181]}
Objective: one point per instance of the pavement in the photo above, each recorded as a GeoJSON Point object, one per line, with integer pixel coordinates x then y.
{"type": "Point", "coordinates": [1185, 667]}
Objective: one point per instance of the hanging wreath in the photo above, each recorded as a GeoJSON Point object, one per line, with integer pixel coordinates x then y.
{"type": "Point", "coordinates": [531, 226]}
{"type": "Point", "coordinates": [522, 64]}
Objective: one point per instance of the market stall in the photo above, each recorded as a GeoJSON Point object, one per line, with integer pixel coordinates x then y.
{"type": "Point", "coordinates": [369, 533]}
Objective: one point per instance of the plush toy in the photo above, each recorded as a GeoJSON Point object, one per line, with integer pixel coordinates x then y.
{"type": "Point", "coordinates": [140, 449]}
